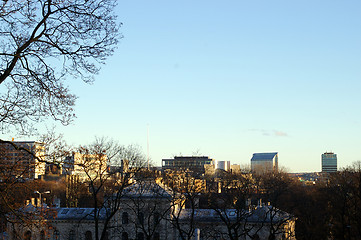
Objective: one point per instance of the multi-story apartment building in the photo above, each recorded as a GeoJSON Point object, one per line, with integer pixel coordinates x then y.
{"type": "Point", "coordinates": [22, 160]}
{"type": "Point", "coordinates": [329, 162]}
{"type": "Point", "coordinates": [264, 162]}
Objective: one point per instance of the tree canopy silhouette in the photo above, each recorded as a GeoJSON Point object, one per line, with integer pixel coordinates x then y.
{"type": "Point", "coordinates": [42, 42]}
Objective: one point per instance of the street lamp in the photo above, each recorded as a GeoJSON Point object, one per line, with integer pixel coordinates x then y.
{"type": "Point", "coordinates": [37, 192]}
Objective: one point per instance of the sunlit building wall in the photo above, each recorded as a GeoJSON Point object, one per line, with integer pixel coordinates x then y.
{"type": "Point", "coordinates": [264, 162]}
{"type": "Point", "coordinates": [24, 159]}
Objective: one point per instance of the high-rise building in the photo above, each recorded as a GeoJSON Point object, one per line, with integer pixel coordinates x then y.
{"type": "Point", "coordinates": [264, 162]}
{"type": "Point", "coordinates": [22, 160]}
{"type": "Point", "coordinates": [329, 162]}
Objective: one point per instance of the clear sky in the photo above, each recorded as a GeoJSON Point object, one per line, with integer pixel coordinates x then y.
{"type": "Point", "coordinates": [230, 78]}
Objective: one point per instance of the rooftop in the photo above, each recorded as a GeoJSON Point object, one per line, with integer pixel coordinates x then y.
{"type": "Point", "coordinates": [148, 189]}
{"type": "Point", "coordinates": [263, 156]}
{"type": "Point", "coordinates": [261, 214]}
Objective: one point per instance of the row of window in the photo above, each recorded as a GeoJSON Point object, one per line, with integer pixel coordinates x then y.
{"type": "Point", "coordinates": [140, 218]}
{"type": "Point", "coordinates": [56, 235]}
{"type": "Point", "coordinates": [87, 235]}
{"type": "Point", "coordinates": [140, 236]}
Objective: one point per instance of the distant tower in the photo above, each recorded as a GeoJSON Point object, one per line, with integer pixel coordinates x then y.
{"type": "Point", "coordinates": [329, 162]}
{"type": "Point", "coordinates": [264, 162]}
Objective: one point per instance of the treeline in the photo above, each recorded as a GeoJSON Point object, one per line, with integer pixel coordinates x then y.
{"type": "Point", "coordinates": [329, 209]}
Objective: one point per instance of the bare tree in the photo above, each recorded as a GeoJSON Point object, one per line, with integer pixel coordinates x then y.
{"type": "Point", "coordinates": [343, 201]}
{"type": "Point", "coordinates": [278, 190]}
{"type": "Point", "coordinates": [231, 204]}
{"type": "Point", "coordinates": [145, 211]}
{"type": "Point", "coordinates": [186, 192]}
{"type": "Point", "coordinates": [108, 168]}
{"type": "Point", "coordinates": [41, 43]}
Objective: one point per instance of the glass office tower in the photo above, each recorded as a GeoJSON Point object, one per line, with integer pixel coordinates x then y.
{"type": "Point", "coordinates": [329, 162]}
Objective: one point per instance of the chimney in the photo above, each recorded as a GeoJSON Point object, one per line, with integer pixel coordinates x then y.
{"type": "Point", "coordinates": [33, 202]}
{"type": "Point", "coordinates": [27, 202]}
{"type": "Point", "coordinates": [260, 202]}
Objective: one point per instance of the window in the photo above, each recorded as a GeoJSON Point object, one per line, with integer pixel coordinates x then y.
{"type": "Point", "coordinates": [56, 235]}
{"type": "Point", "coordinates": [65, 211]}
{"type": "Point", "coordinates": [88, 235]}
{"type": "Point", "coordinates": [42, 235]}
{"type": "Point", "coordinates": [124, 236]}
{"type": "Point", "coordinates": [80, 211]}
{"type": "Point", "coordinates": [125, 218]}
{"type": "Point", "coordinates": [256, 237]}
{"type": "Point", "coordinates": [141, 218]}
{"type": "Point", "coordinates": [140, 236]}
{"type": "Point", "coordinates": [71, 235]}
{"type": "Point", "coordinates": [106, 236]}
{"type": "Point", "coordinates": [27, 235]}
{"type": "Point", "coordinates": [156, 218]}
{"type": "Point", "coordinates": [156, 236]}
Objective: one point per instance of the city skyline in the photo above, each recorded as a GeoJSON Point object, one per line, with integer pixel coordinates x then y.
{"type": "Point", "coordinates": [228, 80]}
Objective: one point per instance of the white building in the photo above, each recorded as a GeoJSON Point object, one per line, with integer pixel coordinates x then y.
{"type": "Point", "coordinates": [264, 162]}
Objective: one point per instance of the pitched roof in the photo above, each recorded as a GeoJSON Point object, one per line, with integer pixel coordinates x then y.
{"type": "Point", "coordinates": [261, 214]}
{"type": "Point", "coordinates": [148, 189]}
{"type": "Point", "coordinates": [78, 214]}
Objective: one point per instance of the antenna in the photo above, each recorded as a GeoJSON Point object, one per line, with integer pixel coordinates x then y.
{"type": "Point", "coordinates": [148, 145]}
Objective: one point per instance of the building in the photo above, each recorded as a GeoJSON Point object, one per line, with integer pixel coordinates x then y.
{"type": "Point", "coordinates": [329, 162]}
{"type": "Point", "coordinates": [221, 166]}
{"type": "Point", "coordinates": [235, 168]}
{"type": "Point", "coordinates": [260, 222]}
{"type": "Point", "coordinates": [22, 160]}
{"type": "Point", "coordinates": [192, 163]}
{"type": "Point", "coordinates": [54, 223]}
{"type": "Point", "coordinates": [145, 213]}
{"type": "Point", "coordinates": [151, 211]}
{"type": "Point", "coordinates": [264, 162]}
{"type": "Point", "coordinates": [85, 165]}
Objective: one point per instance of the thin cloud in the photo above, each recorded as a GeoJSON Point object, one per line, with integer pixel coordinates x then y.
{"type": "Point", "coordinates": [280, 134]}
{"type": "Point", "coordinates": [265, 132]}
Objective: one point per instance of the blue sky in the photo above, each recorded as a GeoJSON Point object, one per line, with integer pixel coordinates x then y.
{"type": "Point", "coordinates": [230, 78]}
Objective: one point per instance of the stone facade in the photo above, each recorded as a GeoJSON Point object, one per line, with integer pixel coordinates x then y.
{"type": "Point", "coordinates": [149, 211]}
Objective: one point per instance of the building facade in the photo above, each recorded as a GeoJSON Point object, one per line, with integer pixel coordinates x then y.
{"type": "Point", "coordinates": [46, 223]}
{"type": "Point", "coordinates": [85, 165]}
{"type": "Point", "coordinates": [192, 163]}
{"type": "Point", "coordinates": [329, 162]}
{"type": "Point", "coordinates": [264, 162]}
{"type": "Point", "coordinates": [22, 160]}
{"type": "Point", "coordinates": [150, 211]}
